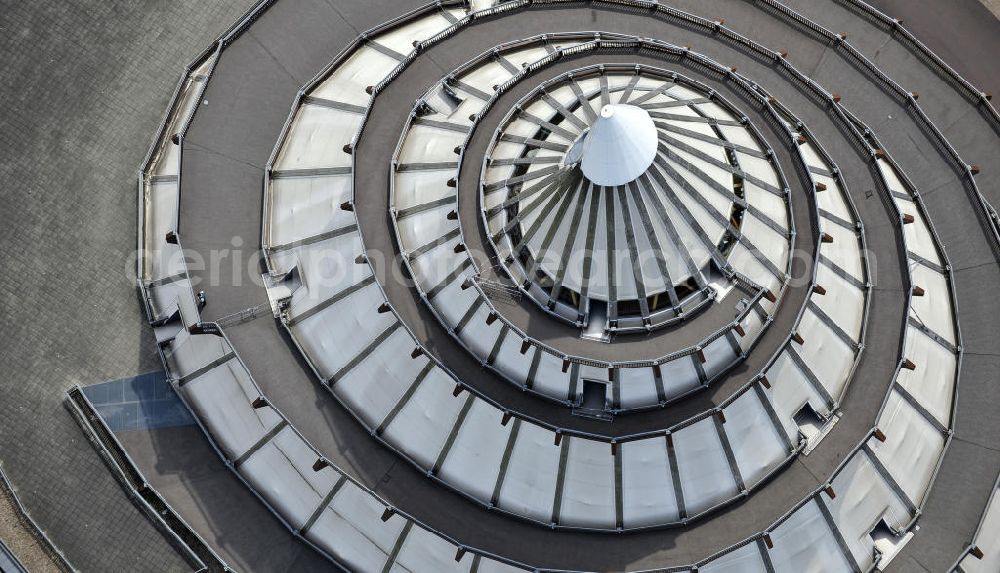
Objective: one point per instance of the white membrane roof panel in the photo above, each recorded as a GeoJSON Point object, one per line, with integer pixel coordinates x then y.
{"type": "Point", "coordinates": [638, 387]}
{"type": "Point", "coordinates": [349, 80]}
{"type": "Point", "coordinates": [530, 55]}
{"type": "Point", "coordinates": [845, 250]}
{"type": "Point", "coordinates": [790, 390]}
{"type": "Point", "coordinates": [428, 144]}
{"type": "Point", "coordinates": [811, 155]}
{"type": "Point", "coordinates": [222, 398]}
{"type": "Point", "coordinates": [932, 381]}
{"type": "Point", "coordinates": [351, 528]}
{"type": "Point", "coordinates": [736, 134]}
{"type": "Point", "coordinates": [485, 76]}
{"type": "Point", "coordinates": [510, 361]}
{"type": "Point", "coordinates": [744, 261]}
{"type": "Point", "coordinates": [842, 301]}
{"type": "Point", "coordinates": [529, 485]}
{"type": "Point", "coordinates": [163, 259]}
{"type": "Point", "coordinates": [473, 462]}
{"type": "Point", "coordinates": [934, 309]}
{"type": "Point", "coordinates": [425, 421]}
{"type": "Point", "coordinates": [706, 477]}
{"type": "Point", "coordinates": [478, 335]}
{"type": "Point", "coordinates": [190, 352]}
{"type": "Point", "coordinates": [280, 472]}
{"type": "Point", "coordinates": [424, 551]}
{"type": "Point", "coordinates": [589, 485]}
{"type": "Point", "coordinates": [325, 268]}
{"type": "Point", "coordinates": [746, 559]}
{"type": "Point", "coordinates": [770, 243]}
{"type": "Point", "coordinates": [679, 376]}
{"type": "Point", "coordinates": [912, 448]}
{"type": "Point", "coordinates": [762, 169]}
{"type": "Point", "coordinates": [487, 565]}
{"type": "Point", "coordinates": [767, 203]}
{"type": "Point", "coordinates": [803, 543]}
{"type": "Point", "coordinates": [414, 188]}
{"type": "Point", "coordinates": [453, 301]}
{"type": "Point", "coordinates": [377, 383]}
{"type": "Point", "coordinates": [757, 446]}
{"type": "Point", "coordinates": [303, 207]}
{"type": "Point", "coordinates": [425, 227]}
{"type": "Point", "coordinates": [437, 264]}
{"type": "Point", "coordinates": [827, 355]}
{"type": "Point", "coordinates": [421, 228]}
{"type": "Point", "coordinates": [832, 199]}
{"type": "Point", "coordinates": [918, 237]}
{"type": "Point", "coordinates": [335, 335]}
{"type": "Point", "coordinates": [549, 378]}
{"type": "Point", "coordinates": [316, 139]}
{"type": "Point", "coordinates": [753, 326]}
{"type": "Point", "coordinates": [648, 495]}
{"type": "Point", "coordinates": [719, 355]}
{"type": "Point", "coordinates": [863, 498]}
{"type": "Point", "coordinates": [402, 38]}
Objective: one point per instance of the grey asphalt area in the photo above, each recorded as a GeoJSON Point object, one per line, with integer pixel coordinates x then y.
{"type": "Point", "coordinates": [85, 87]}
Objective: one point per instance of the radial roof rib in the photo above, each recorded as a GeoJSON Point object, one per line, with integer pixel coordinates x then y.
{"type": "Point", "coordinates": [713, 250]}
{"type": "Point", "coordinates": [640, 285]}
{"type": "Point", "coordinates": [693, 118]}
{"type": "Point", "coordinates": [609, 213]}
{"type": "Point", "coordinates": [531, 142]}
{"type": "Point", "coordinates": [570, 116]}
{"type": "Point", "coordinates": [563, 132]}
{"type": "Point", "coordinates": [654, 239]}
{"type": "Point", "coordinates": [518, 196]}
{"type": "Point", "coordinates": [588, 109]}
{"type": "Point", "coordinates": [575, 184]}
{"type": "Point", "coordinates": [525, 161]}
{"type": "Point", "coordinates": [668, 225]}
{"type": "Point", "coordinates": [661, 90]}
{"type": "Point", "coordinates": [690, 190]}
{"type": "Point", "coordinates": [627, 91]}
{"type": "Point", "coordinates": [728, 193]}
{"type": "Point", "coordinates": [670, 141]}
{"type": "Point", "coordinates": [674, 103]}
{"type": "Point", "coordinates": [561, 188]}
{"type": "Point", "coordinates": [588, 258]}
{"type": "Point", "coordinates": [554, 185]}
{"type": "Point", "coordinates": [605, 95]}
{"type": "Point", "coordinates": [587, 191]}
{"type": "Point", "coordinates": [471, 90]}
{"type": "Point", "coordinates": [709, 139]}
{"type": "Point", "coordinates": [530, 176]}
{"type": "Point", "coordinates": [332, 233]}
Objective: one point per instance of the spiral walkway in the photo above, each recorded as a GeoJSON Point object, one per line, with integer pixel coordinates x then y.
{"type": "Point", "coordinates": [575, 286]}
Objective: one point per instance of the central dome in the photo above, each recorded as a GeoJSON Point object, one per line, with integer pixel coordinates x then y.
{"type": "Point", "coordinates": [619, 147]}
{"type": "Point", "coordinates": [624, 202]}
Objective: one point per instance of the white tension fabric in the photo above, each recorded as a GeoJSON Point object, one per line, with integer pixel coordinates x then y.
{"type": "Point", "coordinates": [619, 147]}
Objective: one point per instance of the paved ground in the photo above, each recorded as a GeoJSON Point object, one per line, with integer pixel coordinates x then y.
{"type": "Point", "coordinates": [85, 87]}
{"type": "Point", "coordinates": [20, 539]}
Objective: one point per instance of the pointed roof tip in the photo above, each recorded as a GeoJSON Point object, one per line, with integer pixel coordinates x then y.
{"type": "Point", "coordinates": [620, 146]}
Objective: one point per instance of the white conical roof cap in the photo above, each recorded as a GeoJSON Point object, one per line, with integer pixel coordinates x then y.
{"type": "Point", "coordinates": [620, 146]}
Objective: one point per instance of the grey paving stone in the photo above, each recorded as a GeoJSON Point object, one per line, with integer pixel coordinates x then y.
{"type": "Point", "coordinates": [84, 86]}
